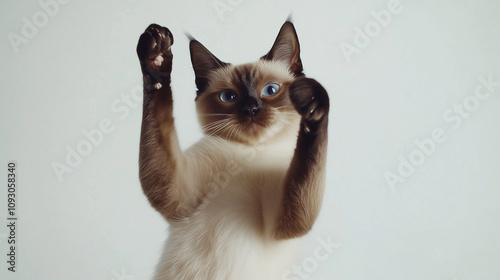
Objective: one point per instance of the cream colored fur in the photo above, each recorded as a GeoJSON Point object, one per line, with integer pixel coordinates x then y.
{"type": "Point", "coordinates": [230, 235]}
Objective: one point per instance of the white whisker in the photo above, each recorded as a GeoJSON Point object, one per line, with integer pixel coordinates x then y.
{"type": "Point", "coordinates": [214, 123]}
{"type": "Point", "coordinates": [220, 127]}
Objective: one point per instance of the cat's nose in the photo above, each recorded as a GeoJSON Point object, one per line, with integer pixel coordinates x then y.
{"type": "Point", "coordinates": [251, 110]}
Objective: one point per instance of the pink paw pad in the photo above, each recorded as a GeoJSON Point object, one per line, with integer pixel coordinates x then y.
{"type": "Point", "coordinates": [158, 60]}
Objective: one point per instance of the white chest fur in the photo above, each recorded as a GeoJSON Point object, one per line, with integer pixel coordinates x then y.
{"type": "Point", "coordinates": [228, 236]}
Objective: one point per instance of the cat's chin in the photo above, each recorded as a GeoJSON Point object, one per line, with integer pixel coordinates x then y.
{"type": "Point", "coordinates": [251, 132]}
{"type": "Point", "coordinates": [254, 126]}
{"type": "Point", "coordinates": [255, 133]}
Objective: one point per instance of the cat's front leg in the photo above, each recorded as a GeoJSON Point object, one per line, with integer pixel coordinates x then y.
{"type": "Point", "coordinates": [162, 164]}
{"type": "Point", "coordinates": [305, 179]}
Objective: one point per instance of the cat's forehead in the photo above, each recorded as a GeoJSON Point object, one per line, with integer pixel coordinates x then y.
{"type": "Point", "coordinates": [254, 74]}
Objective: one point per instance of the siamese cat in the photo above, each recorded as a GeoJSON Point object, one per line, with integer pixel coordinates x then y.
{"type": "Point", "coordinates": [238, 200]}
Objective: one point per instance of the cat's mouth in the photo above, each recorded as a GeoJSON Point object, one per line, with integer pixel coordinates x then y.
{"type": "Point", "coordinates": [253, 127]}
{"type": "Point", "coordinates": [253, 123]}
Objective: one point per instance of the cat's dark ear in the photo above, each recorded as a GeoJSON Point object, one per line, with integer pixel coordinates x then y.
{"type": "Point", "coordinates": [203, 63]}
{"type": "Point", "coordinates": [286, 48]}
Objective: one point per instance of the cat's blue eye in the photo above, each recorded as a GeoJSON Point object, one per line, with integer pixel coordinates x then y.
{"type": "Point", "coordinates": [228, 96]}
{"type": "Point", "coordinates": [270, 89]}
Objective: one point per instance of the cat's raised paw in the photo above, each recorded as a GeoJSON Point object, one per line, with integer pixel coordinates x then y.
{"type": "Point", "coordinates": [155, 55]}
{"type": "Point", "coordinates": [311, 100]}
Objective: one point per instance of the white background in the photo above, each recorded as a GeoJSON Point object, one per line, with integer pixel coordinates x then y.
{"type": "Point", "coordinates": [442, 222]}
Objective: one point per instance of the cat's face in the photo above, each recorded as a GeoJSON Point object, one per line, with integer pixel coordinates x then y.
{"type": "Point", "coordinates": [247, 103]}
